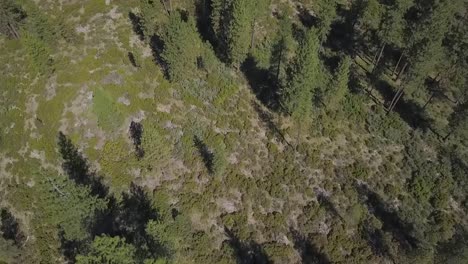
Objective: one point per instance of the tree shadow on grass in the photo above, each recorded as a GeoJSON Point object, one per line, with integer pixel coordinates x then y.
{"type": "Point", "coordinates": [267, 120]}
{"type": "Point", "coordinates": [205, 153]}
{"type": "Point", "coordinates": [10, 228]}
{"type": "Point", "coordinates": [309, 253]}
{"type": "Point", "coordinates": [375, 240]}
{"type": "Point", "coordinates": [157, 47]}
{"type": "Point", "coordinates": [261, 82]}
{"type": "Point", "coordinates": [77, 168]}
{"type": "Point", "coordinates": [126, 217]}
{"type": "Point", "coordinates": [306, 18]}
{"type": "Point", "coordinates": [328, 205]}
{"type": "Point", "coordinates": [136, 25]}
{"type": "Point", "coordinates": [410, 112]}
{"type": "Point", "coordinates": [133, 214]}
{"type": "Point", "coordinates": [400, 230]}
{"type": "Point", "coordinates": [246, 252]}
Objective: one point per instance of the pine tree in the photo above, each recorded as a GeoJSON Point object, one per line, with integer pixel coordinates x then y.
{"type": "Point", "coordinates": [339, 86]}
{"type": "Point", "coordinates": [238, 35]}
{"type": "Point", "coordinates": [458, 121]}
{"type": "Point", "coordinates": [283, 46]}
{"type": "Point", "coordinates": [106, 249]}
{"type": "Point", "coordinates": [150, 14]}
{"type": "Point", "coordinates": [326, 12]}
{"type": "Point", "coordinates": [425, 48]}
{"type": "Point", "coordinates": [297, 96]}
{"type": "Point", "coordinates": [182, 46]}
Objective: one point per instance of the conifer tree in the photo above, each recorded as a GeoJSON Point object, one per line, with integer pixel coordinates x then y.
{"type": "Point", "coordinates": [326, 12]}
{"type": "Point", "coordinates": [181, 59]}
{"type": "Point", "coordinates": [425, 45]}
{"type": "Point", "coordinates": [106, 249]}
{"type": "Point", "coordinates": [150, 13]}
{"type": "Point", "coordinates": [392, 27]}
{"type": "Point", "coordinates": [281, 49]}
{"type": "Point", "coordinates": [239, 30]}
{"type": "Point", "coordinates": [339, 86]}
{"type": "Point", "coordinates": [297, 96]}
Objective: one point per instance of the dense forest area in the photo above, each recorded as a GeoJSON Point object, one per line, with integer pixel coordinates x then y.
{"type": "Point", "coordinates": [233, 131]}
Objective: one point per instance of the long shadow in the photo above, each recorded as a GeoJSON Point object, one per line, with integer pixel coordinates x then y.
{"type": "Point", "coordinates": [453, 250]}
{"type": "Point", "coordinates": [340, 38]}
{"type": "Point", "coordinates": [392, 223]}
{"type": "Point", "coordinates": [126, 217]}
{"type": "Point", "coordinates": [261, 82]}
{"type": "Point", "coordinates": [134, 212]}
{"type": "Point", "coordinates": [206, 154]}
{"type": "Point", "coordinates": [375, 240]}
{"type": "Point", "coordinates": [136, 25]}
{"type": "Point", "coordinates": [203, 12]}
{"type": "Point", "coordinates": [157, 47]}
{"type": "Point", "coordinates": [413, 114]}
{"type": "Point", "coordinates": [132, 60]}
{"type": "Point", "coordinates": [306, 18]}
{"type": "Point", "coordinates": [77, 168]}
{"type": "Point", "coordinates": [246, 252]}
{"type": "Point", "coordinates": [328, 205]}
{"type": "Point", "coordinates": [266, 118]}
{"type": "Point", "coordinates": [10, 228]}
{"type": "Point", "coordinates": [309, 253]}
{"type": "Point", "coordinates": [136, 132]}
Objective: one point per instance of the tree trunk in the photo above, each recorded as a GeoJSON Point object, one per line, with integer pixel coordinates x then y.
{"type": "Point", "coordinates": [448, 135]}
{"type": "Point", "coordinates": [13, 31]}
{"type": "Point", "coordinates": [379, 58]}
{"type": "Point", "coordinates": [299, 129]}
{"type": "Point", "coordinates": [252, 37]}
{"type": "Point", "coordinates": [279, 62]}
{"type": "Point", "coordinates": [165, 7]}
{"type": "Point", "coordinates": [398, 64]}
{"type": "Point", "coordinates": [436, 77]}
{"type": "Point", "coordinates": [401, 72]}
{"type": "Point", "coordinates": [428, 101]}
{"type": "Point", "coordinates": [395, 99]}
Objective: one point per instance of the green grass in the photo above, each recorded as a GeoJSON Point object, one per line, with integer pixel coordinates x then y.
{"type": "Point", "coordinates": [109, 116]}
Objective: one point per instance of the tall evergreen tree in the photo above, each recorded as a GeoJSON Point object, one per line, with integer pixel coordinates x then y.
{"type": "Point", "coordinates": [239, 30]}
{"type": "Point", "coordinates": [105, 249]}
{"type": "Point", "coordinates": [326, 12]}
{"type": "Point", "coordinates": [297, 96]}
{"type": "Point", "coordinates": [339, 86]}
{"type": "Point", "coordinates": [150, 14]}
{"type": "Point", "coordinates": [181, 59]}
{"type": "Point", "coordinates": [282, 48]}
{"type": "Point", "coordinates": [392, 27]}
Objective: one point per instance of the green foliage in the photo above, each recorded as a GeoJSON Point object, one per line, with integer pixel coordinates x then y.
{"type": "Point", "coordinates": [152, 14]}
{"type": "Point", "coordinates": [105, 249]}
{"type": "Point", "coordinates": [181, 58]}
{"type": "Point", "coordinates": [11, 18]}
{"type": "Point", "coordinates": [326, 11]}
{"type": "Point", "coordinates": [40, 25]}
{"type": "Point", "coordinates": [68, 206]}
{"type": "Point", "coordinates": [39, 53]}
{"type": "Point", "coordinates": [106, 110]}
{"type": "Point", "coordinates": [8, 251]}
{"type": "Point", "coordinates": [339, 86]}
{"type": "Point", "coordinates": [297, 97]}
{"type": "Point", "coordinates": [267, 173]}
{"type": "Point", "coordinates": [239, 30]}
{"type": "Point", "coordinates": [371, 14]}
